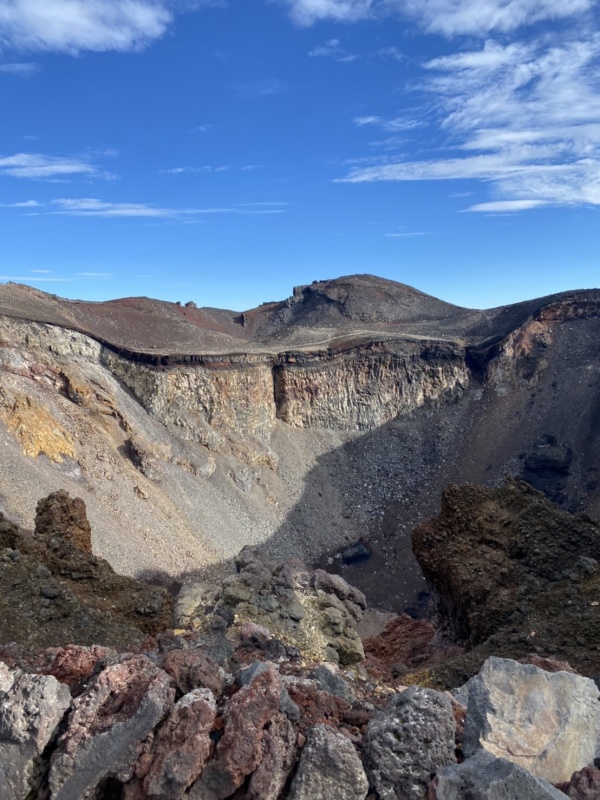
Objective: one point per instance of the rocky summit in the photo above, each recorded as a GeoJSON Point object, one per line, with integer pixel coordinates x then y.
{"type": "Point", "coordinates": [338, 547]}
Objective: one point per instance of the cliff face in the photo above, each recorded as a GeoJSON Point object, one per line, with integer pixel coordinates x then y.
{"type": "Point", "coordinates": [367, 386]}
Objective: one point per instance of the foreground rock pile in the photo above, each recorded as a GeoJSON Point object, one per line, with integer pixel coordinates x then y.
{"type": "Point", "coordinates": [171, 723]}
{"type": "Point", "coordinates": [262, 689]}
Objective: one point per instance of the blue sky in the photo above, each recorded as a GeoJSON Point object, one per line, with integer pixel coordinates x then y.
{"type": "Point", "coordinates": [226, 151]}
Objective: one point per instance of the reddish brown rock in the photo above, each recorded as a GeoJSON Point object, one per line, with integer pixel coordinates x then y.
{"type": "Point", "coordinates": [73, 665]}
{"type": "Point", "coordinates": [64, 517]}
{"type": "Point", "coordinates": [279, 748]}
{"type": "Point", "coordinates": [181, 746]}
{"type": "Point", "coordinates": [316, 706]}
{"type": "Point", "coordinates": [191, 669]}
{"type": "Point", "coordinates": [240, 749]}
{"type": "Point", "coordinates": [107, 725]}
{"type": "Point", "coordinates": [584, 785]}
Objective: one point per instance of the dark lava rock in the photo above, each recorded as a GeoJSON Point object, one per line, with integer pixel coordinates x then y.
{"type": "Point", "coordinates": [509, 580]}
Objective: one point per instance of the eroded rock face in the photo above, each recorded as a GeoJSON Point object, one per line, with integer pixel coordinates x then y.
{"type": "Point", "coordinates": [547, 723]}
{"type": "Point", "coordinates": [329, 769]}
{"type": "Point", "coordinates": [366, 386]}
{"type": "Point", "coordinates": [31, 709]}
{"type": "Point", "coordinates": [106, 726]}
{"type": "Point", "coordinates": [408, 742]}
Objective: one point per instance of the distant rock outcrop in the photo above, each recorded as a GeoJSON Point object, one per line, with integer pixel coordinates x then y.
{"type": "Point", "coordinates": [512, 574]}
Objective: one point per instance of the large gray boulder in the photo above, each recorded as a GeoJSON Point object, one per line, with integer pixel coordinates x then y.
{"type": "Point", "coordinates": [547, 723]}
{"type": "Point", "coordinates": [408, 742]}
{"type": "Point", "coordinates": [106, 727]}
{"type": "Point", "coordinates": [484, 777]}
{"type": "Point", "coordinates": [31, 708]}
{"type": "Point", "coordinates": [329, 768]}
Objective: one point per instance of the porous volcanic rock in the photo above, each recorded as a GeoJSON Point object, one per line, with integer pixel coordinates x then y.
{"type": "Point", "coordinates": [513, 575]}
{"type": "Point", "coordinates": [329, 769]}
{"type": "Point", "coordinates": [584, 785]}
{"type": "Point", "coordinates": [408, 742]}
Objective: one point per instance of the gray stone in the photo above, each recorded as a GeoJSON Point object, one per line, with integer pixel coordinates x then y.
{"type": "Point", "coordinates": [408, 742]}
{"type": "Point", "coordinates": [484, 777]}
{"type": "Point", "coordinates": [547, 723]}
{"type": "Point", "coordinates": [106, 727]}
{"type": "Point", "coordinates": [328, 681]}
{"type": "Point", "coordinates": [329, 768]}
{"type": "Point", "coordinates": [31, 708]}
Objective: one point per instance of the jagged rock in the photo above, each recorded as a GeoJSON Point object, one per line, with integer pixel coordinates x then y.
{"type": "Point", "coordinates": [505, 565]}
{"type": "Point", "coordinates": [329, 769]}
{"type": "Point", "coordinates": [547, 723]}
{"type": "Point", "coordinates": [181, 746]}
{"type": "Point", "coordinates": [192, 600]}
{"type": "Point", "coordinates": [584, 785]}
{"type": "Point", "coordinates": [106, 726]}
{"type": "Point", "coordinates": [279, 749]}
{"type": "Point", "coordinates": [240, 749]}
{"type": "Point", "coordinates": [62, 516]}
{"type": "Point", "coordinates": [408, 742]}
{"type": "Point", "coordinates": [31, 709]}
{"type": "Point", "coordinates": [484, 777]}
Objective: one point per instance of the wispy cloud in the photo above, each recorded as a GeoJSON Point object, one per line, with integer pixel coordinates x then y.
{"type": "Point", "coordinates": [522, 117]}
{"type": "Point", "coordinates": [184, 170]}
{"type": "Point", "coordinates": [390, 53]}
{"type": "Point", "coordinates": [394, 125]}
{"type": "Point", "coordinates": [94, 275]}
{"type": "Point", "coordinates": [448, 17]}
{"type": "Point", "coordinates": [333, 49]}
{"type": "Point", "coordinates": [93, 207]}
{"type": "Point", "coordinates": [253, 89]}
{"type": "Point", "coordinates": [25, 70]}
{"type": "Point", "coordinates": [204, 128]}
{"type": "Point", "coordinates": [408, 235]}
{"type": "Point", "coordinates": [44, 167]}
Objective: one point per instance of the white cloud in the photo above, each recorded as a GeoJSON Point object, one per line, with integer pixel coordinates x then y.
{"type": "Point", "coordinates": [254, 89]}
{"type": "Point", "coordinates": [94, 274]}
{"type": "Point", "coordinates": [184, 170]}
{"type": "Point", "coordinates": [333, 49]}
{"type": "Point", "coordinates": [526, 118]}
{"type": "Point", "coordinates": [38, 166]}
{"type": "Point", "coordinates": [72, 26]}
{"type": "Point", "coordinates": [390, 52]}
{"type": "Point", "coordinates": [394, 125]}
{"type": "Point", "coordinates": [448, 17]}
{"type": "Point", "coordinates": [408, 235]}
{"type": "Point", "coordinates": [23, 70]}
{"type": "Point", "coordinates": [93, 207]}
{"type": "Point", "coordinates": [507, 206]}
